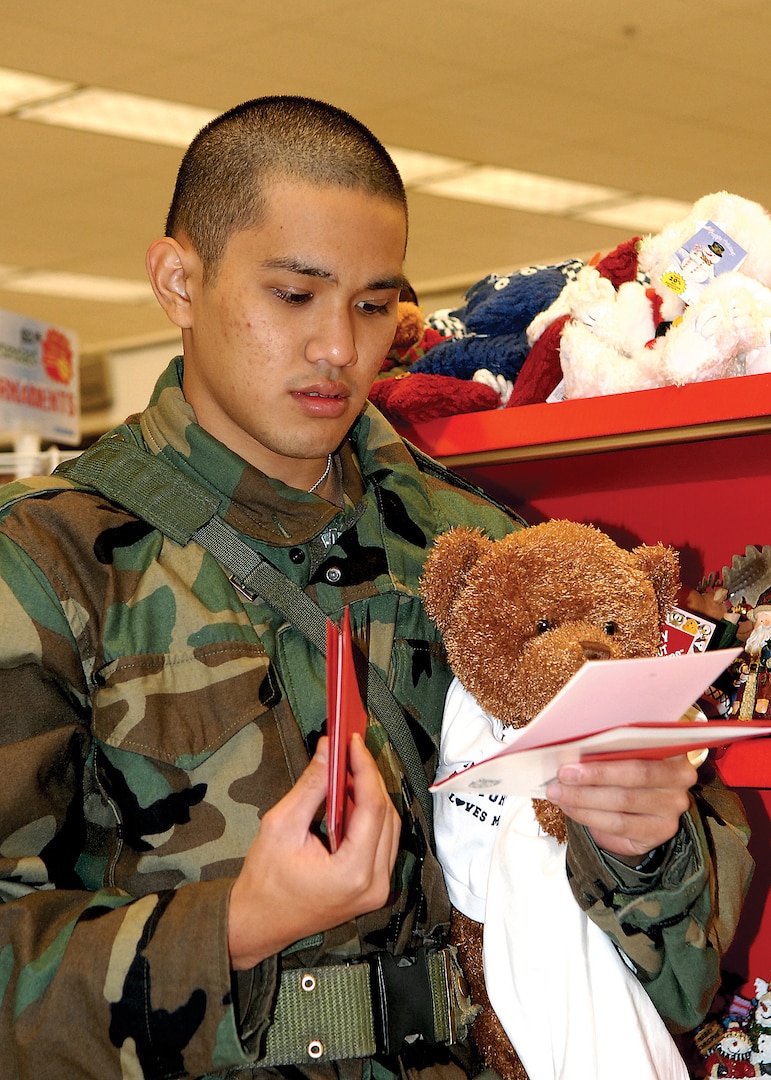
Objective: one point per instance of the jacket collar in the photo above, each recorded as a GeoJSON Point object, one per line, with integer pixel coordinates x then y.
{"type": "Point", "coordinates": [258, 505]}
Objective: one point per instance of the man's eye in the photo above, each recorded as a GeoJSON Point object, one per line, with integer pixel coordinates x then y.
{"type": "Point", "coordinates": [369, 307]}
{"type": "Point", "coordinates": [293, 297]}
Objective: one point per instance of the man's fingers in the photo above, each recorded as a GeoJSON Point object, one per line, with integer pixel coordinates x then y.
{"type": "Point", "coordinates": [628, 806]}
{"type": "Point", "coordinates": [305, 796]}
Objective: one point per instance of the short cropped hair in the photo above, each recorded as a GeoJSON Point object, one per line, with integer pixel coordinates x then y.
{"type": "Point", "coordinates": [222, 181]}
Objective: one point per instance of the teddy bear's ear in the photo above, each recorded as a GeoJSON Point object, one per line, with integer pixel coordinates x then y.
{"type": "Point", "coordinates": [444, 574]}
{"type": "Point", "coordinates": [662, 565]}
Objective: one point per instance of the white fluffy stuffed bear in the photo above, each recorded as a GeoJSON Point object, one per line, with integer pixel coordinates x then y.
{"type": "Point", "coordinates": [643, 334]}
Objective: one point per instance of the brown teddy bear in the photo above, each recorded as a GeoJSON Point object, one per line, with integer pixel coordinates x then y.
{"type": "Point", "coordinates": [519, 616]}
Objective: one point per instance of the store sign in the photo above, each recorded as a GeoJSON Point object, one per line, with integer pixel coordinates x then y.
{"type": "Point", "coordinates": [38, 380]}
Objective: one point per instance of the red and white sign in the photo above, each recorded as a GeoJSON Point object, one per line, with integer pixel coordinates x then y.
{"type": "Point", "coordinates": [39, 392]}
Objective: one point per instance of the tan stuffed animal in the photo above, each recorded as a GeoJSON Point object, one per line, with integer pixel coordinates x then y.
{"type": "Point", "coordinates": [519, 616]}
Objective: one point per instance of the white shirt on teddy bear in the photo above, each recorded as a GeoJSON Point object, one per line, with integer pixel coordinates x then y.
{"type": "Point", "coordinates": [567, 1001]}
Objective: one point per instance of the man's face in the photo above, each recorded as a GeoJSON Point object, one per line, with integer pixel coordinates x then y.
{"type": "Point", "coordinates": [282, 347]}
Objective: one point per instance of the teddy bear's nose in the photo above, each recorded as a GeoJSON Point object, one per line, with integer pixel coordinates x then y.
{"type": "Point", "coordinates": [595, 650]}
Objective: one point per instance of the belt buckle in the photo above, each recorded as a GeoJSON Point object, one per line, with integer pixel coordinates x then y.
{"type": "Point", "coordinates": [402, 1002]}
{"type": "Point", "coordinates": [461, 1011]}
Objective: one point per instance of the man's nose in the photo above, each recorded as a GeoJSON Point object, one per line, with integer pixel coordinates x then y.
{"type": "Point", "coordinates": [334, 340]}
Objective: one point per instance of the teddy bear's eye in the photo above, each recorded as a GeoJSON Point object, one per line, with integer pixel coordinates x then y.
{"type": "Point", "coordinates": [542, 626]}
{"type": "Point", "coordinates": [610, 628]}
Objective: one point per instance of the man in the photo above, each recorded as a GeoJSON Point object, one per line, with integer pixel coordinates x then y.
{"type": "Point", "coordinates": [172, 906]}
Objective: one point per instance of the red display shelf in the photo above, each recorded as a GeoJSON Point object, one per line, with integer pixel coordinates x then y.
{"type": "Point", "coordinates": [685, 465]}
{"type": "Point", "coordinates": [670, 414]}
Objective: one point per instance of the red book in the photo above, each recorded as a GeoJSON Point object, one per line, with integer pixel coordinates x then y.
{"type": "Point", "coordinates": [345, 716]}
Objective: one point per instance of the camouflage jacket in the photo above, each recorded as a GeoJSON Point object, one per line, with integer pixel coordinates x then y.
{"type": "Point", "coordinates": [149, 714]}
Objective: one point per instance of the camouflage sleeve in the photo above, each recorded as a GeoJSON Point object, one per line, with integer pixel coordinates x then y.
{"type": "Point", "coordinates": [71, 946]}
{"type": "Point", "coordinates": [465, 505]}
{"type": "Point", "coordinates": [675, 924]}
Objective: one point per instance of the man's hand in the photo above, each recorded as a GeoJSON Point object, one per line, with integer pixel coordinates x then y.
{"type": "Point", "coordinates": [629, 807]}
{"type": "Point", "coordinates": [290, 886]}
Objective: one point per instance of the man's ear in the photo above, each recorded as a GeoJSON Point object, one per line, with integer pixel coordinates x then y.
{"type": "Point", "coordinates": [169, 268]}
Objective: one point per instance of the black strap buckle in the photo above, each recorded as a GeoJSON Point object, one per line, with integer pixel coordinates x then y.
{"type": "Point", "coordinates": [402, 1001]}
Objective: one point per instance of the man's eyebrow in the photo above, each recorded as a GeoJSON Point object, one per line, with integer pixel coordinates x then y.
{"type": "Point", "coordinates": [295, 267]}
{"type": "Point", "coordinates": [399, 282]}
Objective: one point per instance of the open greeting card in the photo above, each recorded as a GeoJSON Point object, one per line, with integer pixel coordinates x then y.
{"type": "Point", "coordinates": [617, 708]}
{"type": "Point", "coordinates": [345, 715]}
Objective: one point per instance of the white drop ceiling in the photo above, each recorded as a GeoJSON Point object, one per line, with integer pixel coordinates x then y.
{"type": "Point", "coordinates": [667, 99]}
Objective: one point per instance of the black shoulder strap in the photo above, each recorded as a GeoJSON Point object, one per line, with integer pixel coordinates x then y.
{"type": "Point", "coordinates": [183, 510]}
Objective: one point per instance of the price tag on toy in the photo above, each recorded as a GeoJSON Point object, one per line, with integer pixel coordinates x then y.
{"type": "Point", "coordinates": [698, 261]}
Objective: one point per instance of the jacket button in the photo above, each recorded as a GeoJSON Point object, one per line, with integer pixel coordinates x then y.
{"type": "Point", "coordinates": [297, 555]}
{"type": "Point", "coordinates": [333, 575]}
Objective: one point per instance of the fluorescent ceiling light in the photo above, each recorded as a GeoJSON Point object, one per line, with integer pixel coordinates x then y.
{"type": "Point", "coordinates": [642, 213]}
{"type": "Point", "coordinates": [79, 287]}
{"type": "Point", "coordinates": [110, 112]}
{"type": "Point", "coordinates": [415, 166]}
{"type": "Point", "coordinates": [519, 190]}
{"type": "Point", "coordinates": [19, 88]}
{"type": "Point", "coordinates": [7, 271]}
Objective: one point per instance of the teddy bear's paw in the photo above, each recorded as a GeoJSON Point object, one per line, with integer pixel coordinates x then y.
{"type": "Point", "coordinates": [691, 356]}
{"type": "Point", "coordinates": [551, 819]}
{"type": "Point", "coordinates": [733, 322]}
{"type": "Point", "coordinates": [499, 383]}
{"type": "Point", "coordinates": [711, 345]}
{"type": "Point", "coordinates": [593, 367]}
{"type": "Point", "coordinates": [496, 1050]}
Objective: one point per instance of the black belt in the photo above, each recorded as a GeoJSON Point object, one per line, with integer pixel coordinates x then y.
{"type": "Point", "coordinates": [372, 1006]}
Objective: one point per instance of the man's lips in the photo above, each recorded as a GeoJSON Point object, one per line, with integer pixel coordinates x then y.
{"type": "Point", "coordinates": [323, 399]}
{"type": "Point", "coordinates": [326, 390]}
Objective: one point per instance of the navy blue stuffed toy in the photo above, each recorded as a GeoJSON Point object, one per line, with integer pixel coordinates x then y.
{"type": "Point", "coordinates": [491, 326]}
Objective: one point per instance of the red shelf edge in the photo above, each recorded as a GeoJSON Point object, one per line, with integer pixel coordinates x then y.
{"type": "Point", "coordinates": [663, 410]}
